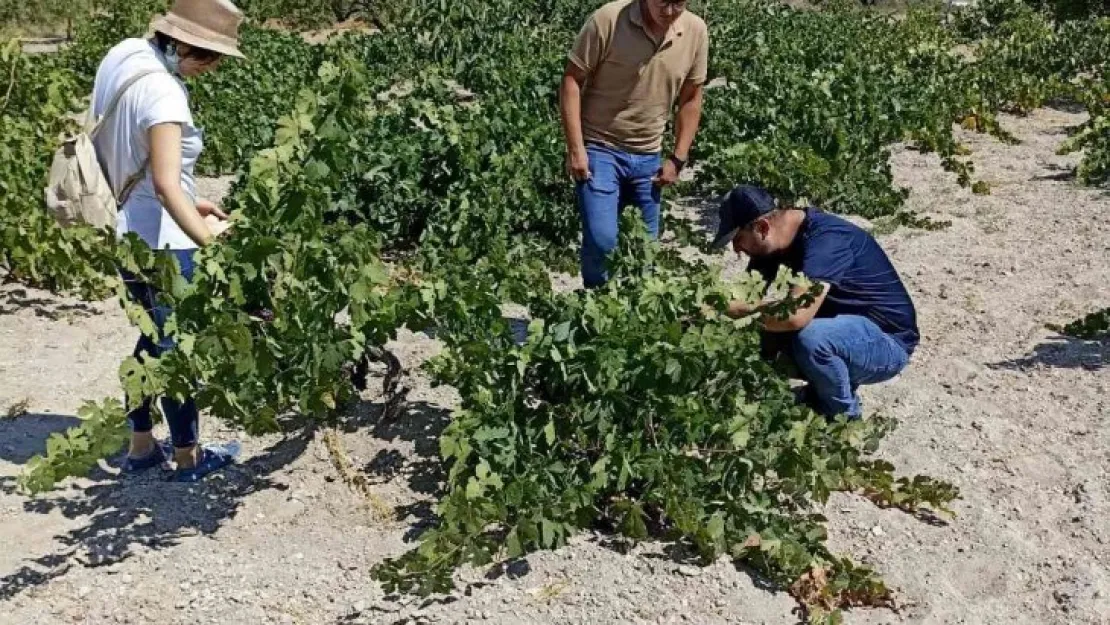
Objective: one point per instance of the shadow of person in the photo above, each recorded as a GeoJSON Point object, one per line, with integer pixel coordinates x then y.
{"type": "Point", "coordinates": [23, 437]}
{"type": "Point", "coordinates": [143, 512]}
{"type": "Point", "coordinates": [121, 517]}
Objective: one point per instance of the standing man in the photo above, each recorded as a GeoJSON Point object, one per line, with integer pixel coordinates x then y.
{"type": "Point", "coordinates": [631, 62]}
{"type": "Point", "coordinates": [860, 329]}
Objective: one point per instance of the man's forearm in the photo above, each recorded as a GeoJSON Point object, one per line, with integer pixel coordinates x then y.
{"type": "Point", "coordinates": [686, 124]}
{"type": "Point", "coordinates": [771, 312]}
{"type": "Point", "coordinates": [739, 308]}
{"type": "Point", "coordinates": [770, 323]}
{"type": "Point", "coordinates": [777, 326]}
{"type": "Point", "coordinates": [570, 108]}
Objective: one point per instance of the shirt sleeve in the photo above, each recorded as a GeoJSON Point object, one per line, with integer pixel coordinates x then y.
{"type": "Point", "coordinates": [588, 46]}
{"type": "Point", "coordinates": [699, 72]}
{"type": "Point", "coordinates": [827, 258]}
{"type": "Point", "coordinates": [161, 100]}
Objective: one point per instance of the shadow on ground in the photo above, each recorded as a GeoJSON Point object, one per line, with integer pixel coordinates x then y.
{"type": "Point", "coordinates": [120, 516]}
{"type": "Point", "coordinates": [420, 424]}
{"type": "Point", "coordinates": [1066, 106]}
{"type": "Point", "coordinates": [23, 437]}
{"type": "Point", "coordinates": [1062, 352]}
{"type": "Point", "coordinates": [1059, 174]}
{"type": "Point", "coordinates": [17, 299]}
{"type": "Point", "coordinates": [699, 213]}
{"type": "Point", "coordinates": [142, 512]}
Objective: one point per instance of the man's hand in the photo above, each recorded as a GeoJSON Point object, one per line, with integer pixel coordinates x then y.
{"type": "Point", "coordinates": [206, 208]}
{"type": "Point", "coordinates": [578, 165]}
{"type": "Point", "coordinates": [667, 174]}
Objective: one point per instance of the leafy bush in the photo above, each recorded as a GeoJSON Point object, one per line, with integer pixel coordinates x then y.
{"type": "Point", "coordinates": [238, 106]}
{"type": "Point", "coordinates": [33, 248]}
{"type": "Point", "coordinates": [1093, 136]}
{"type": "Point", "coordinates": [318, 13]}
{"type": "Point", "coordinates": [814, 117]}
{"type": "Point", "coordinates": [632, 408]}
{"type": "Point", "coordinates": [1094, 326]}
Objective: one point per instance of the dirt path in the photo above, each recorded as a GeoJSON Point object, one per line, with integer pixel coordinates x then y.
{"type": "Point", "coordinates": [1018, 419]}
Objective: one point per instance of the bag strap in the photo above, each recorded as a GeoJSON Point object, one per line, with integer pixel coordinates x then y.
{"type": "Point", "coordinates": [134, 179]}
{"type": "Point", "coordinates": [132, 182]}
{"type": "Point", "coordinates": [114, 104]}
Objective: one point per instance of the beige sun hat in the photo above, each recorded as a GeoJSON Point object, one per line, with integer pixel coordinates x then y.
{"type": "Point", "coordinates": [208, 24]}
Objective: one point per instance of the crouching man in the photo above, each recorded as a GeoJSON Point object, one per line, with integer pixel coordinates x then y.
{"type": "Point", "coordinates": [860, 329]}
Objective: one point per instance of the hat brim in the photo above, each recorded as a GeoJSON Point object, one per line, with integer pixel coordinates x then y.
{"type": "Point", "coordinates": [723, 239]}
{"type": "Point", "coordinates": [167, 27]}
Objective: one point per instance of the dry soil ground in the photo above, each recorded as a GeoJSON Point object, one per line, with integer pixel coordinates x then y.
{"type": "Point", "coordinates": [1016, 417]}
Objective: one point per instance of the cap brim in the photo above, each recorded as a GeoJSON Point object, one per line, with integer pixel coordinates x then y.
{"type": "Point", "coordinates": [724, 238]}
{"type": "Point", "coordinates": [167, 27]}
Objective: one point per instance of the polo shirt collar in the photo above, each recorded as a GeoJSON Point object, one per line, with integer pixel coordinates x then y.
{"type": "Point", "coordinates": [636, 14]}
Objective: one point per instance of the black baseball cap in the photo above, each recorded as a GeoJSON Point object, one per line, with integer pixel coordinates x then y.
{"type": "Point", "coordinates": [743, 205]}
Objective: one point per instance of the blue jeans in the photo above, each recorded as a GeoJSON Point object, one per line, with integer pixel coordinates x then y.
{"type": "Point", "coordinates": [838, 354]}
{"type": "Point", "coordinates": [182, 417]}
{"type": "Point", "coordinates": [617, 179]}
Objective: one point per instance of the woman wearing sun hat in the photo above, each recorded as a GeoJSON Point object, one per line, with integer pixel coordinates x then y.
{"type": "Point", "coordinates": [148, 144]}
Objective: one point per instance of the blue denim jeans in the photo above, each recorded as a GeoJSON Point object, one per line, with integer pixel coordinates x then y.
{"type": "Point", "coordinates": [838, 354]}
{"type": "Point", "coordinates": [181, 417]}
{"type": "Point", "coordinates": [617, 179]}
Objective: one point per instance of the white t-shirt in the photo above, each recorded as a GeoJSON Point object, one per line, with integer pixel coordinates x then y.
{"type": "Point", "coordinates": [122, 144]}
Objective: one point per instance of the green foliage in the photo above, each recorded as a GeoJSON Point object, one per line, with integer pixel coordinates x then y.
{"type": "Point", "coordinates": [103, 429]}
{"type": "Point", "coordinates": [1026, 60]}
{"type": "Point", "coordinates": [632, 407]}
{"type": "Point", "coordinates": [317, 13]}
{"type": "Point", "coordinates": [113, 21]}
{"type": "Point", "coordinates": [1072, 9]}
{"type": "Point", "coordinates": [813, 117]}
{"type": "Point", "coordinates": [1094, 326]}
{"type": "Point", "coordinates": [44, 14]}
{"type": "Point", "coordinates": [37, 95]}
{"type": "Point", "coordinates": [1093, 136]}
{"type": "Point", "coordinates": [238, 106]}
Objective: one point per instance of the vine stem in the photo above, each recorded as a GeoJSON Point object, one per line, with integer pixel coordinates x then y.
{"type": "Point", "coordinates": [651, 428]}
{"type": "Point", "coordinates": [11, 86]}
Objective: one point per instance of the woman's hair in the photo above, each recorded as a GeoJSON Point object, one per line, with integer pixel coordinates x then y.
{"type": "Point", "coordinates": [163, 42]}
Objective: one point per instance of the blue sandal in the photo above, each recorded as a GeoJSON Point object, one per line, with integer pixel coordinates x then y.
{"type": "Point", "coordinates": [159, 456]}
{"type": "Point", "coordinates": [212, 459]}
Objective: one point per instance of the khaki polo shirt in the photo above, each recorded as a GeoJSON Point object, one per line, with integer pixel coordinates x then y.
{"type": "Point", "coordinates": [632, 79]}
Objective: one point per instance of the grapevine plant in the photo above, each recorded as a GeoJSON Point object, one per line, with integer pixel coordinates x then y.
{"type": "Point", "coordinates": [1092, 327]}
{"type": "Point", "coordinates": [639, 407]}
{"type": "Point", "coordinates": [413, 178]}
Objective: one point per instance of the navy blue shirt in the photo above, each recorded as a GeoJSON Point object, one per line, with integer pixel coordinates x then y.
{"type": "Point", "coordinates": [861, 279]}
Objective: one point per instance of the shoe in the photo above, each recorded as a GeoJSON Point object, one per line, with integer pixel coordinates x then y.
{"type": "Point", "coordinates": [805, 396]}
{"type": "Point", "coordinates": [212, 459]}
{"type": "Point", "coordinates": [159, 456]}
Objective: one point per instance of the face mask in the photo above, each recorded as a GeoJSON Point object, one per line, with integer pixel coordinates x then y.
{"type": "Point", "coordinates": [173, 61]}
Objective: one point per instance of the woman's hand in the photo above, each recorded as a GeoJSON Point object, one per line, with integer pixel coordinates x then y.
{"type": "Point", "coordinates": [214, 218]}
{"type": "Point", "coordinates": [206, 208]}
